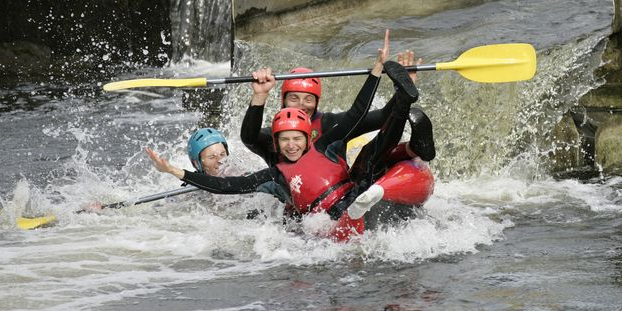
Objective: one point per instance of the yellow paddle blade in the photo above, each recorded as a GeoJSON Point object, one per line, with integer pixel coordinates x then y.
{"type": "Point", "coordinates": [128, 84]}
{"type": "Point", "coordinates": [32, 223]}
{"type": "Point", "coordinates": [495, 63]}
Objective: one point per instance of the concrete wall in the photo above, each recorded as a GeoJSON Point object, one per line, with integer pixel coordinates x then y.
{"type": "Point", "coordinates": [617, 19]}
{"type": "Point", "coordinates": [244, 9]}
{"type": "Point", "coordinates": [587, 136]}
{"type": "Point", "coordinates": [254, 16]}
{"type": "Point", "coordinates": [597, 121]}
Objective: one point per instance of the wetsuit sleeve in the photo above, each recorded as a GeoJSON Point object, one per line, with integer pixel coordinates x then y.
{"type": "Point", "coordinates": [230, 185]}
{"type": "Point", "coordinates": [277, 190]}
{"type": "Point", "coordinates": [329, 120]}
{"type": "Point", "coordinates": [255, 138]}
{"type": "Point", "coordinates": [344, 130]}
{"type": "Point", "coordinates": [372, 121]}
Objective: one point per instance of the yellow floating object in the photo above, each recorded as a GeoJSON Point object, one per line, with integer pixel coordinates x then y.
{"type": "Point", "coordinates": [32, 223]}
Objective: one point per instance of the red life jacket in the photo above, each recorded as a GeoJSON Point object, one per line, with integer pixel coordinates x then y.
{"type": "Point", "coordinates": [316, 132]}
{"type": "Point", "coordinates": [315, 182]}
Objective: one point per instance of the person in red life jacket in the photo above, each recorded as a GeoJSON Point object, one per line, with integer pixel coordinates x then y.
{"type": "Point", "coordinates": [315, 174]}
{"type": "Point", "coordinates": [305, 94]}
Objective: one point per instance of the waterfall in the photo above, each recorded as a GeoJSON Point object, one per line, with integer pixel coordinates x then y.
{"type": "Point", "coordinates": [201, 29]}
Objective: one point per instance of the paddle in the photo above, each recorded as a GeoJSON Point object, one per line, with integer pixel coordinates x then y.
{"type": "Point", "coordinates": [488, 64]}
{"type": "Point", "coordinates": [153, 197]}
{"type": "Point", "coordinates": [146, 199]}
{"type": "Point", "coordinates": [32, 223]}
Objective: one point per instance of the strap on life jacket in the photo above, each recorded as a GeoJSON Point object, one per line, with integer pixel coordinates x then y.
{"type": "Point", "coordinates": [326, 193]}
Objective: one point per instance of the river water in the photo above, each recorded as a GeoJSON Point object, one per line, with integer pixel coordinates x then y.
{"type": "Point", "coordinates": [499, 233]}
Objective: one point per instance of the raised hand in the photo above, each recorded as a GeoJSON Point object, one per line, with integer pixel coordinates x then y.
{"type": "Point", "coordinates": [163, 165]}
{"type": "Point", "coordinates": [261, 88]}
{"type": "Point", "coordinates": [408, 59]}
{"type": "Point", "coordinates": [383, 53]}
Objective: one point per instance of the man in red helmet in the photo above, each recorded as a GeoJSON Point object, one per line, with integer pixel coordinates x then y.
{"type": "Point", "coordinates": [315, 174]}
{"type": "Point", "coordinates": [305, 94]}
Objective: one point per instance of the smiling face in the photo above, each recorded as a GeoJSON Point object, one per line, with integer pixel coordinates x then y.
{"type": "Point", "coordinates": [210, 158]}
{"type": "Point", "coordinates": [301, 100]}
{"type": "Point", "coordinates": [292, 144]}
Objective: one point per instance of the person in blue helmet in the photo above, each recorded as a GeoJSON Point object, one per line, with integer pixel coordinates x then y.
{"type": "Point", "coordinates": [207, 147]}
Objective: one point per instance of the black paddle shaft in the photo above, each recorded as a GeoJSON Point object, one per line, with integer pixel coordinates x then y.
{"type": "Point", "coordinates": [319, 74]}
{"type": "Point", "coordinates": [154, 197]}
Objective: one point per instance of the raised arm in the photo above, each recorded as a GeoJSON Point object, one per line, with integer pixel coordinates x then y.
{"type": "Point", "coordinates": [219, 185]}
{"type": "Point", "coordinates": [257, 139]}
{"type": "Point", "coordinates": [345, 128]}
{"type": "Point", "coordinates": [163, 165]}
{"type": "Point", "coordinates": [230, 185]}
{"type": "Point", "coordinates": [261, 89]}
{"type": "Point", "coordinates": [375, 119]}
{"type": "Point", "coordinates": [251, 134]}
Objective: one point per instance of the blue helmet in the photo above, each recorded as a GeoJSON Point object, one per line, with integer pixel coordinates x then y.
{"type": "Point", "coordinates": [200, 140]}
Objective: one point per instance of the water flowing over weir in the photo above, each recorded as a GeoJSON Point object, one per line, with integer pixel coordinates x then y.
{"type": "Point", "coordinates": [507, 129]}
{"type": "Point", "coordinates": [498, 233]}
{"type": "Point", "coordinates": [202, 30]}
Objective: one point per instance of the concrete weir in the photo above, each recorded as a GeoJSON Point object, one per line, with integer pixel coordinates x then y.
{"type": "Point", "coordinates": [593, 129]}
{"type": "Point", "coordinates": [253, 16]}
{"type": "Point", "coordinates": [606, 102]}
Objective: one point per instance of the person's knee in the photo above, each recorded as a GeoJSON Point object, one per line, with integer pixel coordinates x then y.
{"type": "Point", "coordinates": [422, 137]}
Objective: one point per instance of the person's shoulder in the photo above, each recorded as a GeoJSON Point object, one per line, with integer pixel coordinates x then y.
{"type": "Point", "coordinates": [267, 132]}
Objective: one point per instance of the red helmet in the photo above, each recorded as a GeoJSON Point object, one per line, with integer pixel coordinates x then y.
{"type": "Point", "coordinates": [291, 119]}
{"type": "Point", "coordinates": [307, 85]}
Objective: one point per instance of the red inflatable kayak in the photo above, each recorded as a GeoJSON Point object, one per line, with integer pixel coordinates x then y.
{"type": "Point", "coordinates": [407, 186]}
